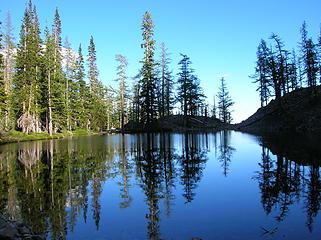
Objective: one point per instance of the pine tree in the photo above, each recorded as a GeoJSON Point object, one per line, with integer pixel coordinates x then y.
{"type": "Point", "coordinates": [48, 82]}
{"type": "Point", "coordinates": [92, 65]}
{"type": "Point", "coordinates": [8, 73]}
{"type": "Point", "coordinates": [97, 96]}
{"type": "Point", "coordinates": [189, 93]}
{"type": "Point", "coordinates": [280, 66]}
{"type": "Point", "coordinates": [122, 90]}
{"type": "Point", "coordinates": [26, 80]}
{"type": "Point", "coordinates": [148, 72]}
{"type": "Point", "coordinates": [70, 85]}
{"type": "Point", "coordinates": [81, 114]}
{"type": "Point", "coordinates": [308, 57]}
{"type": "Point", "coordinates": [58, 79]}
{"type": "Point", "coordinates": [292, 72]}
{"type": "Point", "coordinates": [166, 86]}
{"type": "Point", "coordinates": [135, 100]}
{"type": "Point", "coordinates": [224, 103]}
{"type": "Point", "coordinates": [2, 83]}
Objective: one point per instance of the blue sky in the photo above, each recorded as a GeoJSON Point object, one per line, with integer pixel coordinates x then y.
{"type": "Point", "coordinates": [220, 37]}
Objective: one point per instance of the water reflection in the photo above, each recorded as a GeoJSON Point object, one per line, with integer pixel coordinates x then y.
{"type": "Point", "coordinates": [290, 174]}
{"type": "Point", "coordinates": [226, 151]}
{"type": "Point", "coordinates": [55, 185]}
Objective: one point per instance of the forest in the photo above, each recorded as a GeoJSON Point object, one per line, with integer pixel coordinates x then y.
{"type": "Point", "coordinates": [46, 86]}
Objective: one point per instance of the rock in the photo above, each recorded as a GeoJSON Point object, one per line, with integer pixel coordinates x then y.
{"type": "Point", "coordinates": [7, 230]}
{"type": "Point", "coordinates": [10, 230]}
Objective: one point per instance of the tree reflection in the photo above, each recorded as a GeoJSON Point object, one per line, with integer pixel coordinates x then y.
{"type": "Point", "coordinates": [51, 184]}
{"type": "Point", "coordinates": [225, 151]}
{"type": "Point", "coordinates": [283, 181]}
{"type": "Point", "coordinates": [192, 161]}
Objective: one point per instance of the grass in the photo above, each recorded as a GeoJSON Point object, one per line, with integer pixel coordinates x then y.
{"type": "Point", "coordinates": [16, 136]}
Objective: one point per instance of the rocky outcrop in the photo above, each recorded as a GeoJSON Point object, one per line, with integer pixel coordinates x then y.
{"type": "Point", "coordinates": [296, 112]}
{"type": "Point", "coordinates": [11, 230]}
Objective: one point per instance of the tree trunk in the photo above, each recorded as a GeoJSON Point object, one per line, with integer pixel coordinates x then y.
{"type": "Point", "coordinates": [49, 106]}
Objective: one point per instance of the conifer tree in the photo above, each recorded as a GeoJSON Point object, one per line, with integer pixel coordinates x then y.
{"type": "Point", "coordinates": [2, 83]}
{"type": "Point", "coordinates": [292, 72]}
{"type": "Point", "coordinates": [97, 96]}
{"type": "Point", "coordinates": [8, 72]}
{"type": "Point", "coordinates": [70, 86]}
{"type": "Point", "coordinates": [122, 90]}
{"type": "Point", "coordinates": [48, 83]}
{"type": "Point", "coordinates": [166, 86]}
{"type": "Point", "coordinates": [148, 72]}
{"type": "Point", "coordinates": [92, 65]}
{"type": "Point", "coordinates": [224, 103]}
{"type": "Point", "coordinates": [279, 58]}
{"type": "Point", "coordinates": [189, 93]}
{"type": "Point", "coordinates": [58, 79]}
{"type": "Point", "coordinates": [26, 81]}
{"type": "Point", "coordinates": [308, 57]}
{"type": "Point", "coordinates": [81, 113]}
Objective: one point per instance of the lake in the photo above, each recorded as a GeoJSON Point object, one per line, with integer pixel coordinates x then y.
{"type": "Point", "coordinates": [223, 185]}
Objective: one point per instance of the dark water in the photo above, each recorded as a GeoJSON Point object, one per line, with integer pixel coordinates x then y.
{"type": "Point", "coordinates": [225, 185]}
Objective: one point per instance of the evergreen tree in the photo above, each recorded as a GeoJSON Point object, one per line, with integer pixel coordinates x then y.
{"type": "Point", "coordinates": [2, 83]}
{"type": "Point", "coordinates": [224, 103]}
{"type": "Point", "coordinates": [135, 100]}
{"type": "Point", "coordinates": [48, 82]}
{"type": "Point", "coordinates": [82, 92]}
{"type": "Point", "coordinates": [59, 88]}
{"type": "Point", "coordinates": [122, 91]}
{"type": "Point", "coordinates": [26, 81]}
{"type": "Point", "coordinates": [292, 72]}
{"type": "Point", "coordinates": [8, 72]}
{"type": "Point", "coordinates": [189, 93]}
{"type": "Point", "coordinates": [148, 73]}
{"type": "Point", "coordinates": [308, 57]}
{"type": "Point", "coordinates": [92, 65]}
{"type": "Point", "coordinates": [279, 59]}
{"type": "Point", "coordinates": [166, 86]}
{"type": "Point", "coordinates": [262, 72]}
{"type": "Point", "coordinates": [97, 96]}
{"type": "Point", "coordinates": [71, 92]}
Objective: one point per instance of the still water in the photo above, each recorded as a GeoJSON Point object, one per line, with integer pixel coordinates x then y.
{"type": "Point", "coordinates": [224, 185]}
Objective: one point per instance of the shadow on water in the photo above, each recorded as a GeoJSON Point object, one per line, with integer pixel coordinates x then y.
{"type": "Point", "coordinates": [290, 172]}
{"type": "Point", "coordinates": [53, 185]}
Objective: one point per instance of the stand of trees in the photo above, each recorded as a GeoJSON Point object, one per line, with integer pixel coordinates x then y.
{"type": "Point", "coordinates": [47, 87]}
{"type": "Point", "coordinates": [43, 87]}
{"type": "Point", "coordinates": [279, 71]}
{"type": "Point", "coordinates": [153, 92]}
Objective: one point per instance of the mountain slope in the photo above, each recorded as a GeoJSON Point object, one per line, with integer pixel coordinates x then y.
{"type": "Point", "coordinates": [298, 111]}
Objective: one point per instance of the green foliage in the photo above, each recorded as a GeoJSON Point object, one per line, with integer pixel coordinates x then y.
{"type": "Point", "coordinates": [189, 93]}
{"type": "Point", "coordinates": [123, 93]}
{"type": "Point", "coordinates": [147, 95]}
{"type": "Point", "coordinates": [224, 103]}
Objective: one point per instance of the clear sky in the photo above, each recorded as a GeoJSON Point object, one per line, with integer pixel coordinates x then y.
{"type": "Point", "coordinates": [220, 37]}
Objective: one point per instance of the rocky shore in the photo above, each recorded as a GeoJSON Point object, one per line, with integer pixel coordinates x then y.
{"type": "Point", "coordinates": [12, 230]}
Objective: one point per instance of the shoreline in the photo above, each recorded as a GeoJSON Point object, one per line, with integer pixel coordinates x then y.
{"type": "Point", "coordinates": [16, 136]}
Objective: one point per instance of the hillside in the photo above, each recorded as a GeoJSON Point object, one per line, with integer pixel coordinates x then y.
{"type": "Point", "coordinates": [298, 111]}
{"type": "Point", "coordinates": [176, 123]}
